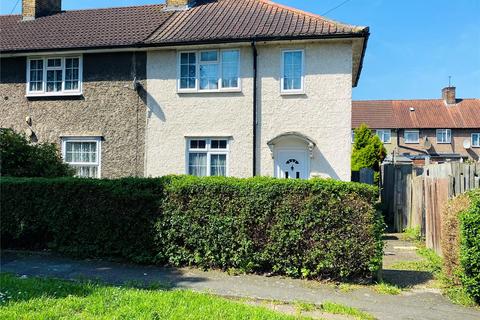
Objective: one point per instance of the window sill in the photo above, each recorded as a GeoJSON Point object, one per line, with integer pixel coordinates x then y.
{"type": "Point", "coordinates": [54, 94]}
{"type": "Point", "coordinates": [292, 93]}
{"type": "Point", "coordinates": [209, 91]}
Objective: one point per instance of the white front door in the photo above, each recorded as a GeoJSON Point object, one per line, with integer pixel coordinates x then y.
{"type": "Point", "coordinates": [292, 164]}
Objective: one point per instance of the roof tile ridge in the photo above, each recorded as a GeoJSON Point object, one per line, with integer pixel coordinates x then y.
{"type": "Point", "coordinates": [314, 16]}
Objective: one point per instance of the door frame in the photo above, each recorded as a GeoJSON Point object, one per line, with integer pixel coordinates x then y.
{"type": "Point", "coordinates": [276, 167]}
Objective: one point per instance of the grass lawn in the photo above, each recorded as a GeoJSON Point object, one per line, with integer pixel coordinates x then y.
{"type": "Point", "coordinates": [38, 298]}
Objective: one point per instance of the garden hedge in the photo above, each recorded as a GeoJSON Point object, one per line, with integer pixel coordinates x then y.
{"type": "Point", "coordinates": [312, 229]}
{"type": "Point", "coordinates": [461, 242]}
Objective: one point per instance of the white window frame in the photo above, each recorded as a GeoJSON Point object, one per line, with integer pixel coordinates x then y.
{"type": "Point", "coordinates": [475, 145]}
{"type": "Point", "coordinates": [209, 151]}
{"type": "Point", "coordinates": [381, 132]}
{"type": "Point", "coordinates": [197, 72]}
{"type": "Point", "coordinates": [63, 92]}
{"type": "Point", "coordinates": [411, 131]}
{"type": "Point", "coordinates": [97, 140]}
{"type": "Point", "coordinates": [282, 79]}
{"type": "Point", "coordinates": [449, 136]}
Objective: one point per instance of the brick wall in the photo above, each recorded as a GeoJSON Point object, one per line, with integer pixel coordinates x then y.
{"type": "Point", "coordinates": [39, 8]}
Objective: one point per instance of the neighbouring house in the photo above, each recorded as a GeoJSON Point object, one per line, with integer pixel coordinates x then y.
{"type": "Point", "coordinates": [227, 87]}
{"type": "Point", "coordinates": [434, 130]}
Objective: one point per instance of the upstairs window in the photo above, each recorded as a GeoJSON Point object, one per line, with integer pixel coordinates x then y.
{"type": "Point", "coordinates": [54, 76]}
{"type": "Point", "coordinates": [292, 71]}
{"type": "Point", "coordinates": [444, 136]}
{"type": "Point", "coordinates": [209, 71]}
{"type": "Point", "coordinates": [207, 157]}
{"type": "Point", "coordinates": [385, 135]}
{"type": "Point", "coordinates": [411, 136]}
{"type": "Point", "coordinates": [476, 140]}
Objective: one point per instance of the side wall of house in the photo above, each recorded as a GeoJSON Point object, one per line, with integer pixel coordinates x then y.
{"type": "Point", "coordinates": [322, 113]}
{"type": "Point", "coordinates": [109, 107]}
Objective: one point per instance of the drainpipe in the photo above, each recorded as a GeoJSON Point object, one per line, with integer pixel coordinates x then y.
{"type": "Point", "coordinates": [255, 55]}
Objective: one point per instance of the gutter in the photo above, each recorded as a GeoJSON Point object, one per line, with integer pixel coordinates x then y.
{"type": "Point", "coordinates": [254, 122]}
{"type": "Point", "coordinates": [366, 34]}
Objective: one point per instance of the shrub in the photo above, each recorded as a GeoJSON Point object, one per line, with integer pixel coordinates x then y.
{"type": "Point", "coordinates": [368, 149]}
{"type": "Point", "coordinates": [461, 242]}
{"type": "Point", "coordinates": [313, 229]}
{"type": "Point", "coordinates": [19, 158]}
{"type": "Point", "coordinates": [470, 246]}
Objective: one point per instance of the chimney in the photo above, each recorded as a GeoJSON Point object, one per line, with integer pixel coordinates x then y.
{"type": "Point", "coordinates": [32, 9]}
{"type": "Point", "coordinates": [179, 4]}
{"type": "Point", "coordinates": [448, 95]}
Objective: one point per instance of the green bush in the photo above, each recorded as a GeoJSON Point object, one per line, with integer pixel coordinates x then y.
{"type": "Point", "coordinates": [368, 149]}
{"type": "Point", "coordinates": [19, 158]}
{"type": "Point", "coordinates": [312, 229]}
{"type": "Point", "coordinates": [470, 246]}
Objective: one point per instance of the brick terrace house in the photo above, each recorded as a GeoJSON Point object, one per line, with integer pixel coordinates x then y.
{"type": "Point", "coordinates": [207, 87]}
{"type": "Point", "coordinates": [439, 130]}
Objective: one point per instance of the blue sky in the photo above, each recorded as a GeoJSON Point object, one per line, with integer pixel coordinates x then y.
{"type": "Point", "coordinates": [414, 45]}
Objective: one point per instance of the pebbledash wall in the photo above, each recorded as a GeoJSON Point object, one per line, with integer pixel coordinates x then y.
{"type": "Point", "coordinates": [109, 108]}
{"type": "Point", "coordinates": [323, 112]}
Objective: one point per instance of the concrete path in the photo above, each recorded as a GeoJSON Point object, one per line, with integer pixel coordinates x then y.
{"type": "Point", "coordinates": [415, 304]}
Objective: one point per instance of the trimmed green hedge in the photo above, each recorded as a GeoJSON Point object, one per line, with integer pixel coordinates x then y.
{"type": "Point", "coordinates": [470, 246]}
{"type": "Point", "coordinates": [312, 229]}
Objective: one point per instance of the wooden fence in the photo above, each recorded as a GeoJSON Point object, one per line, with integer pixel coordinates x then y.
{"type": "Point", "coordinates": [414, 197]}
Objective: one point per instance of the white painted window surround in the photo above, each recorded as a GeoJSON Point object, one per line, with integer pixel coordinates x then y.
{"type": "Point", "coordinates": [293, 72]}
{"type": "Point", "coordinates": [412, 136]}
{"type": "Point", "coordinates": [208, 71]}
{"type": "Point", "coordinates": [476, 140]}
{"type": "Point", "coordinates": [385, 135]}
{"type": "Point", "coordinates": [207, 157]}
{"type": "Point", "coordinates": [54, 76]}
{"type": "Point", "coordinates": [83, 154]}
{"type": "Point", "coordinates": [444, 135]}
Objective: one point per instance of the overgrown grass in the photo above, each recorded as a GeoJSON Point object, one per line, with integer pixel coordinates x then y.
{"type": "Point", "coordinates": [433, 263]}
{"type": "Point", "coordinates": [336, 308]}
{"type": "Point", "coordinates": [36, 298]}
{"type": "Point", "coordinates": [387, 288]}
{"type": "Point", "coordinates": [412, 234]}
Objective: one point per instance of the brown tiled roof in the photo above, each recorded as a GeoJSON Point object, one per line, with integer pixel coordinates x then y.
{"type": "Point", "coordinates": [224, 20]}
{"type": "Point", "coordinates": [208, 21]}
{"type": "Point", "coordinates": [385, 114]}
{"type": "Point", "coordinates": [113, 27]}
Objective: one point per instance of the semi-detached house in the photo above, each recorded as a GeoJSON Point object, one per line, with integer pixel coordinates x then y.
{"type": "Point", "coordinates": [227, 87]}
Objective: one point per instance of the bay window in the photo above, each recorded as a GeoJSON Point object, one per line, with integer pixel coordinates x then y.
{"type": "Point", "coordinates": [207, 157]}
{"type": "Point", "coordinates": [83, 154]}
{"type": "Point", "coordinates": [209, 71]}
{"type": "Point", "coordinates": [54, 76]}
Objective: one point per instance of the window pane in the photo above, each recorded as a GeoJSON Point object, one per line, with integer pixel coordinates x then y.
{"type": "Point", "coordinates": [54, 63]}
{"type": "Point", "coordinates": [188, 70]}
{"type": "Point", "coordinates": [218, 165]}
{"type": "Point", "coordinates": [209, 56]}
{"type": "Point", "coordinates": [209, 76]}
{"type": "Point", "coordinates": [197, 164]}
{"type": "Point", "coordinates": [219, 144]}
{"type": "Point", "coordinates": [292, 70]}
{"type": "Point", "coordinates": [411, 136]}
{"type": "Point", "coordinates": [198, 144]}
{"type": "Point", "coordinates": [81, 152]}
{"type": "Point", "coordinates": [476, 139]}
{"type": "Point", "coordinates": [230, 68]}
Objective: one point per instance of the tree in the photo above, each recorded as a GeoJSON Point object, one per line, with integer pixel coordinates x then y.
{"type": "Point", "coordinates": [368, 149]}
{"type": "Point", "coordinates": [19, 158]}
